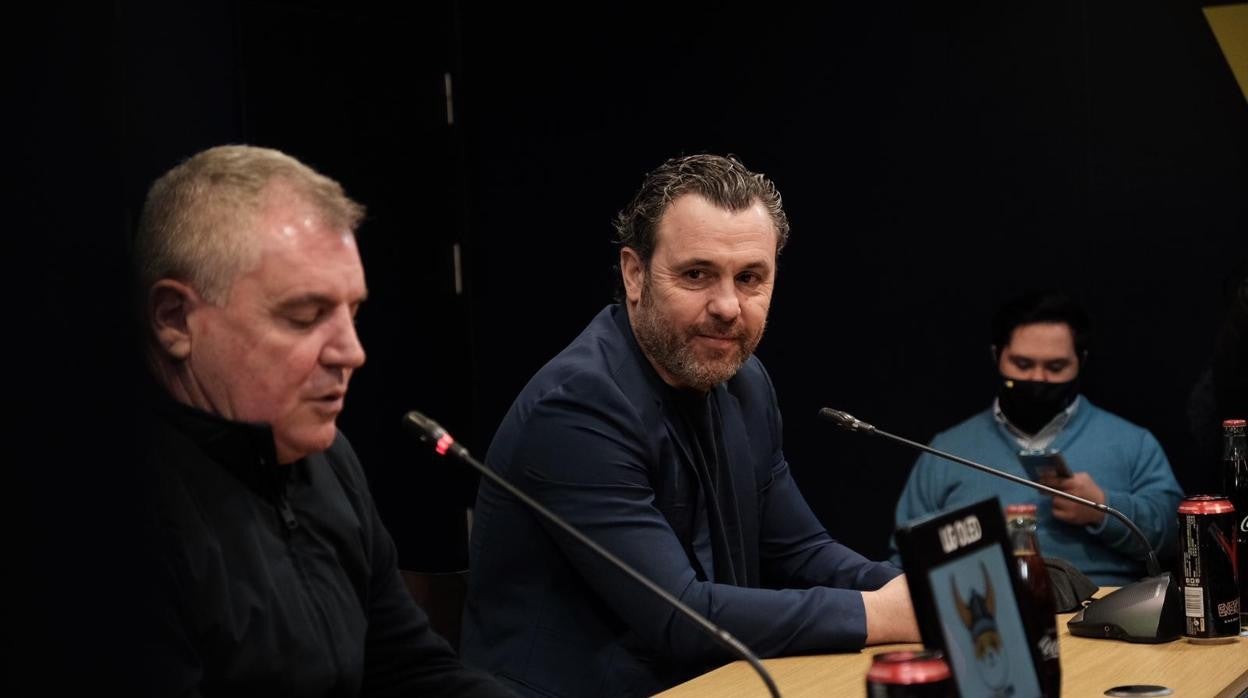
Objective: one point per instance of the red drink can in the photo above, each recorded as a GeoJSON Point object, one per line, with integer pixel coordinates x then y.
{"type": "Point", "coordinates": [1207, 551]}
{"type": "Point", "coordinates": [909, 674]}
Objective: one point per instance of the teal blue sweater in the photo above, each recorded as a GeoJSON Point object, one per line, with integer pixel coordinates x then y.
{"type": "Point", "coordinates": [1124, 460]}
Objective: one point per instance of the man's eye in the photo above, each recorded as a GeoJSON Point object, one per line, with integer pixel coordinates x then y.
{"type": "Point", "coordinates": [304, 319]}
{"type": "Point", "coordinates": [695, 274]}
{"type": "Point", "coordinates": [749, 279]}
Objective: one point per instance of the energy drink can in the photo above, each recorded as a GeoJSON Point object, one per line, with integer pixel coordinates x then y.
{"type": "Point", "coordinates": [909, 674]}
{"type": "Point", "coordinates": [1207, 551]}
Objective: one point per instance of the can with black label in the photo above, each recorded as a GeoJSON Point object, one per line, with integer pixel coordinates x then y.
{"type": "Point", "coordinates": [1235, 486]}
{"type": "Point", "coordinates": [909, 674]}
{"type": "Point", "coordinates": [1207, 551]}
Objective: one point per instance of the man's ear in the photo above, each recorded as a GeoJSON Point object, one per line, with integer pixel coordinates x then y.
{"type": "Point", "coordinates": [633, 273]}
{"type": "Point", "coordinates": [169, 304]}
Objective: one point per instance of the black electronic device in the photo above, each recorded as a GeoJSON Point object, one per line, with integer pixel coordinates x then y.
{"type": "Point", "coordinates": [1047, 464]}
{"type": "Point", "coordinates": [965, 588]}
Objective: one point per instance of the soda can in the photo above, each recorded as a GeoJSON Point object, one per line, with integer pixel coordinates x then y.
{"type": "Point", "coordinates": [1207, 551]}
{"type": "Point", "coordinates": [909, 674]}
{"type": "Point", "coordinates": [1235, 486]}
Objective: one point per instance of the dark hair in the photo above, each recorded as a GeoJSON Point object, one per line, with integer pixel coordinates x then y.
{"type": "Point", "coordinates": [1041, 307]}
{"type": "Point", "coordinates": [724, 181]}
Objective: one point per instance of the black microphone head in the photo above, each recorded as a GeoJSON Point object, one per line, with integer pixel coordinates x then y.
{"type": "Point", "coordinates": [424, 428]}
{"type": "Point", "coordinates": [844, 420]}
{"type": "Point", "coordinates": [835, 416]}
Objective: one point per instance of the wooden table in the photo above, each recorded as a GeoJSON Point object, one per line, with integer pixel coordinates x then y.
{"type": "Point", "coordinates": [1089, 668]}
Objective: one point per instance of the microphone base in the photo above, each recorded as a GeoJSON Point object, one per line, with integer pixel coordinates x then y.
{"type": "Point", "coordinates": [1147, 611]}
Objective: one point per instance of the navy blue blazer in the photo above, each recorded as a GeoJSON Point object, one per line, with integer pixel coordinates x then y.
{"type": "Point", "coordinates": [591, 438]}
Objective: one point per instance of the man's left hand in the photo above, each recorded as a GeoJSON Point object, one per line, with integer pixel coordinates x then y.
{"type": "Point", "coordinates": [1080, 485]}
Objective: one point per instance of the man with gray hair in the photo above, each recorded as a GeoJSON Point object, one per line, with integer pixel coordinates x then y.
{"type": "Point", "coordinates": [657, 433]}
{"type": "Point", "coordinates": [280, 578]}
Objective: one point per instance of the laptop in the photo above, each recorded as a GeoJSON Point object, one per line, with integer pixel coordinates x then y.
{"type": "Point", "coordinates": [965, 588]}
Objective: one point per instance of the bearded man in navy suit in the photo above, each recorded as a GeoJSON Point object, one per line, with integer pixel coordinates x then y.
{"type": "Point", "coordinates": [657, 433]}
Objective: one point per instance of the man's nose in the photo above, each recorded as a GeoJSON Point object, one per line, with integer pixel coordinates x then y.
{"type": "Point", "coordinates": [344, 348]}
{"type": "Point", "coordinates": [1038, 374]}
{"type": "Point", "coordinates": [724, 304]}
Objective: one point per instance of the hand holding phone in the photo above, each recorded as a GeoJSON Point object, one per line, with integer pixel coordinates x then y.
{"type": "Point", "coordinates": [1049, 468]}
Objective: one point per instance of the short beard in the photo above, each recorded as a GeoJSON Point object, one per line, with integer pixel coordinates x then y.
{"type": "Point", "coordinates": [672, 348]}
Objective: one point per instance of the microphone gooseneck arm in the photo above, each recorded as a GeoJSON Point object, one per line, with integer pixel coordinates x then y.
{"type": "Point", "coordinates": [431, 433]}
{"type": "Point", "coordinates": [851, 423]}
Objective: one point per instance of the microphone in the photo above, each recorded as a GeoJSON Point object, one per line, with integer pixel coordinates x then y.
{"type": "Point", "coordinates": [1147, 611]}
{"type": "Point", "coordinates": [430, 432]}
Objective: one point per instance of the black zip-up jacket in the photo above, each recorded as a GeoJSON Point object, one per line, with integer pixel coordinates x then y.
{"type": "Point", "coordinates": [282, 580]}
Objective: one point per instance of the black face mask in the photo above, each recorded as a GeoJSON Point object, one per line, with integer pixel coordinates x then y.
{"type": "Point", "coordinates": [1029, 405]}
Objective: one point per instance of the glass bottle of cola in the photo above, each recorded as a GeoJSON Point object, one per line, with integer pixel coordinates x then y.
{"type": "Point", "coordinates": [1235, 486]}
{"type": "Point", "coordinates": [1039, 610]}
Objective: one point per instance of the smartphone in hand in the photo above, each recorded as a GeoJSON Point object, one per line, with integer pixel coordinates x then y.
{"type": "Point", "coordinates": [1044, 464]}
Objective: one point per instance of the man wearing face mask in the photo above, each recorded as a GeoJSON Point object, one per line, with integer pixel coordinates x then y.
{"type": "Point", "coordinates": [1040, 346]}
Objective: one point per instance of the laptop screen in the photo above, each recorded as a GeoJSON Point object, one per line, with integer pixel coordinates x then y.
{"type": "Point", "coordinates": [965, 589]}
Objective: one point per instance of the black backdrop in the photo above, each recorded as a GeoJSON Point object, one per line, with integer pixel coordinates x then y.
{"type": "Point", "coordinates": [933, 160]}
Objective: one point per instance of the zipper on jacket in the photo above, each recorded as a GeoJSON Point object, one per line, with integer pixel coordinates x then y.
{"type": "Point", "coordinates": [312, 592]}
{"type": "Point", "coordinates": [288, 515]}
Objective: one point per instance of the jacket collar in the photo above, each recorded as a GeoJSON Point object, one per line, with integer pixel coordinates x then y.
{"type": "Point", "coordinates": [244, 449]}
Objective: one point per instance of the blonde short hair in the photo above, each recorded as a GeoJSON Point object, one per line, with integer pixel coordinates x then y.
{"type": "Point", "coordinates": [197, 220]}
